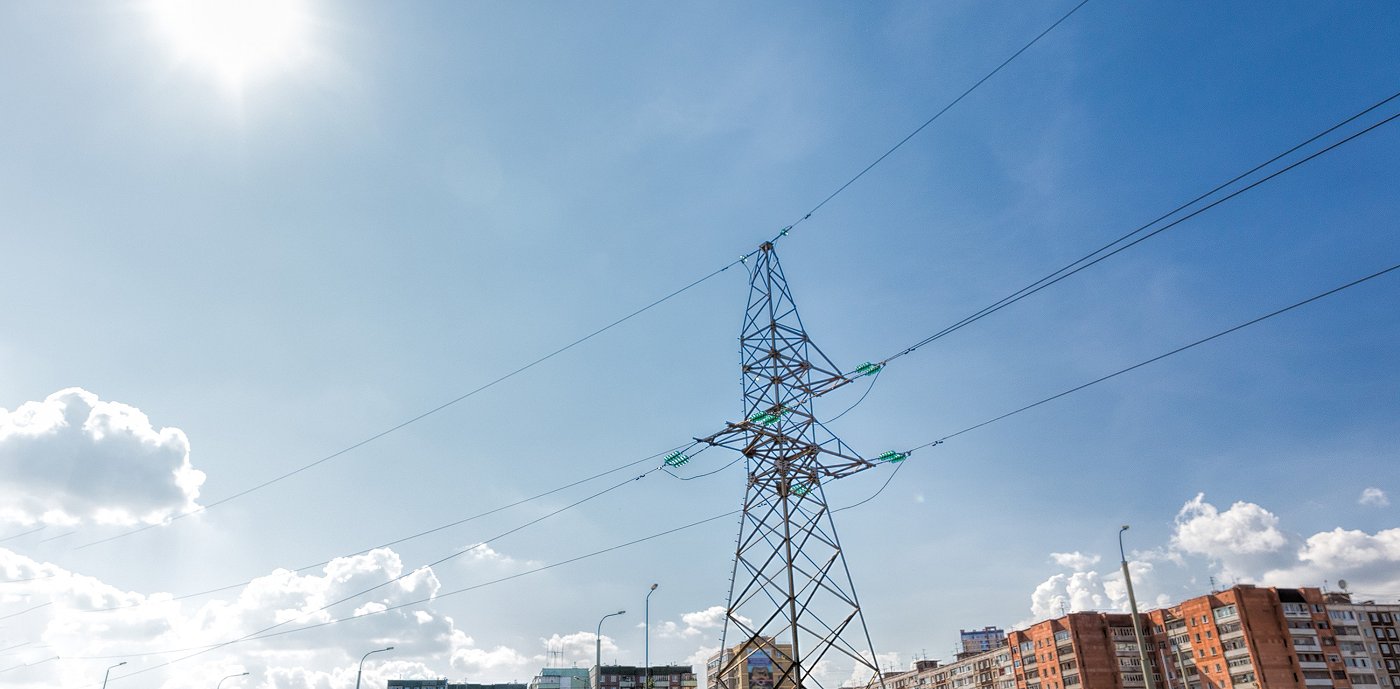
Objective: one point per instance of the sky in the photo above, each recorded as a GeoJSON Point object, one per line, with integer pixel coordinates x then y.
{"type": "Point", "coordinates": [236, 241]}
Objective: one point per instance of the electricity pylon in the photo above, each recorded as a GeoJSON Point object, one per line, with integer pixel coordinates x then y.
{"type": "Point", "coordinates": [790, 586]}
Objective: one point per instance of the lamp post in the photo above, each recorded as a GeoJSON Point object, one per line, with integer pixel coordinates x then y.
{"type": "Point", "coordinates": [108, 673]}
{"type": "Point", "coordinates": [646, 637]}
{"type": "Point", "coordinates": [1137, 623]}
{"type": "Point", "coordinates": [221, 682]}
{"type": "Point", "coordinates": [361, 671]}
{"type": "Point", "coordinates": [598, 647]}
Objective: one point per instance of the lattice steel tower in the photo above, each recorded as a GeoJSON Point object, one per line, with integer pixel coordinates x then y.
{"type": "Point", "coordinates": [791, 587]}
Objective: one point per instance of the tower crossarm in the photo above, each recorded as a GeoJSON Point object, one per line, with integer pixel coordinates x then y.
{"type": "Point", "coordinates": [758, 442]}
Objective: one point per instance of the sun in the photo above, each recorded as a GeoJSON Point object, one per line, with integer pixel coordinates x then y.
{"type": "Point", "coordinates": [235, 40]}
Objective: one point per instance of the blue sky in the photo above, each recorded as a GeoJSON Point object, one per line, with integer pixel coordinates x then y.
{"type": "Point", "coordinates": [409, 201]}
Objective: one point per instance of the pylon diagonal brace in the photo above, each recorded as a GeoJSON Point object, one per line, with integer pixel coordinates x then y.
{"type": "Point", "coordinates": [788, 556]}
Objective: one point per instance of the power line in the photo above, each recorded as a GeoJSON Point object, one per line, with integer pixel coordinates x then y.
{"type": "Point", "coordinates": [599, 331]}
{"type": "Point", "coordinates": [517, 575]}
{"type": "Point", "coordinates": [426, 414]}
{"type": "Point", "coordinates": [435, 563]}
{"type": "Point", "coordinates": [17, 614]}
{"type": "Point", "coordinates": [1119, 372]}
{"type": "Point", "coordinates": [419, 534]}
{"type": "Point", "coordinates": [1159, 357]}
{"type": "Point", "coordinates": [1094, 257]}
{"type": "Point", "coordinates": [939, 114]}
{"type": "Point", "coordinates": [25, 533]}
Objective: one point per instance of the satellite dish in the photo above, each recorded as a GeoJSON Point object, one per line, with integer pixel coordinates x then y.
{"type": "Point", "coordinates": [1342, 583]}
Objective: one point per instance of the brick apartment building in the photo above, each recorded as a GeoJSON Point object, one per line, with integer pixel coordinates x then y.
{"type": "Point", "coordinates": [1245, 637]}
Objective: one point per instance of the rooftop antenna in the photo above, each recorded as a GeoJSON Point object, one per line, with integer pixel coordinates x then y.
{"type": "Point", "coordinates": [1212, 584]}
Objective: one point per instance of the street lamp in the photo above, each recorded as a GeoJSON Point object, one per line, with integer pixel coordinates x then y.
{"type": "Point", "coordinates": [646, 637]}
{"type": "Point", "coordinates": [221, 682]}
{"type": "Point", "coordinates": [381, 650]}
{"type": "Point", "coordinates": [598, 647]}
{"type": "Point", "coordinates": [108, 673]}
{"type": "Point", "coordinates": [1137, 623]}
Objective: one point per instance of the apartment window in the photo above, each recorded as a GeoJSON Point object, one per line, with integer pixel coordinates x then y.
{"type": "Point", "coordinates": [1207, 634]}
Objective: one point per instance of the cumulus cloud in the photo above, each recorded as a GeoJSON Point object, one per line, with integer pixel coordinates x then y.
{"type": "Point", "coordinates": [579, 647]}
{"type": "Point", "coordinates": [1373, 497]}
{"type": "Point", "coordinates": [75, 457]}
{"type": "Point", "coordinates": [1244, 543]}
{"type": "Point", "coordinates": [1063, 593]}
{"type": "Point", "coordinates": [1367, 561]}
{"type": "Point", "coordinates": [86, 619]}
{"type": "Point", "coordinates": [1076, 560]}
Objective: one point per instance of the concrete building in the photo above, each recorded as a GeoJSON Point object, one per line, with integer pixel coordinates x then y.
{"type": "Point", "coordinates": [986, 670]}
{"type": "Point", "coordinates": [444, 684]}
{"type": "Point", "coordinates": [980, 640]}
{"type": "Point", "coordinates": [1367, 640]}
{"type": "Point", "coordinates": [633, 677]}
{"type": "Point", "coordinates": [561, 678]}
{"type": "Point", "coordinates": [751, 665]}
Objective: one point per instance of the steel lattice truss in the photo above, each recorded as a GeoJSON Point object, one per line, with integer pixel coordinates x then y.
{"type": "Point", "coordinates": [791, 587]}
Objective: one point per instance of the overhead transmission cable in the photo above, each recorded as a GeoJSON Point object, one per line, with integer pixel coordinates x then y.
{"type": "Point", "coordinates": [463, 551]}
{"type": "Point", "coordinates": [198, 650]}
{"type": "Point", "coordinates": [1108, 250]}
{"type": "Point", "coordinates": [419, 534]}
{"type": "Point", "coordinates": [23, 534]}
{"type": "Point", "coordinates": [430, 412]}
{"type": "Point", "coordinates": [936, 115]}
{"type": "Point", "coordinates": [783, 232]}
{"type": "Point", "coordinates": [1120, 372]}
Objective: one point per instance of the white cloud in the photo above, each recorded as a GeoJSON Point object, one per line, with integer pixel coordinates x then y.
{"type": "Point", "coordinates": [1063, 593]}
{"type": "Point", "coordinates": [1244, 543]}
{"type": "Point", "coordinates": [709, 618]}
{"type": "Point", "coordinates": [1241, 542]}
{"type": "Point", "coordinates": [1076, 560]}
{"type": "Point", "coordinates": [72, 628]}
{"type": "Point", "coordinates": [75, 457]}
{"type": "Point", "coordinates": [1373, 497]}
{"type": "Point", "coordinates": [1369, 562]}
{"type": "Point", "coordinates": [579, 647]}
{"type": "Point", "coordinates": [1202, 529]}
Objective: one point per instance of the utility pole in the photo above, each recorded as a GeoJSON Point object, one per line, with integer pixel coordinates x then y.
{"type": "Point", "coordinates": [791, 585]}
{"type": "Point", "coordinates": [1137, 621]}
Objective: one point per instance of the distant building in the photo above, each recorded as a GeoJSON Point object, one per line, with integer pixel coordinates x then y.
{"type": "Point", "coordinates": [561, 678]}
{"type": "Point", "coordinates": [990, 669]}
{"type": "Point", "coordinates": [633, 677]}
{"type": "Point", "coordinates": [980, 640]}
{"type": "Point", "coordinates": [444, 684]}
{"type": "Point", "coordinates": [752, 665]}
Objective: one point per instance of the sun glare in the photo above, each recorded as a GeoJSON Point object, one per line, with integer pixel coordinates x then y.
{"type": "Point", "coordinates": [236, 40]}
